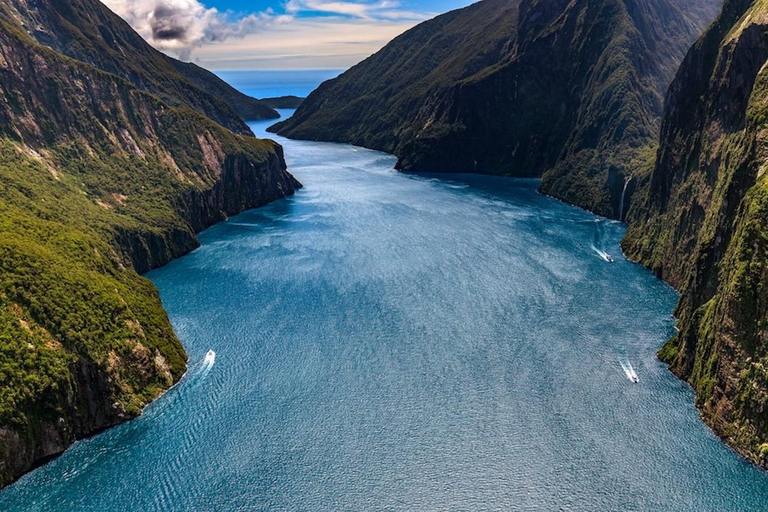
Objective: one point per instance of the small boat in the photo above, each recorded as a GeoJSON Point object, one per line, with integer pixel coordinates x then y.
{"type": "Point", "coordinates": [629, 371]}
{"type": "Point", "coordinates": [209, 357]}
{"type": "Point", "coordinates": [608, 258]}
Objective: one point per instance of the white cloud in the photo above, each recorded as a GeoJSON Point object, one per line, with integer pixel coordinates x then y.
{"type": "Point", "coordinates": [345, 32]}
{"type": "Point", "coordinates": [322, 42]}
{"type": "Point", "coordinates": [179, 26]}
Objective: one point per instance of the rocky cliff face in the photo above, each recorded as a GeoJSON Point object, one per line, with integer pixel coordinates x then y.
{"type": "Point", "coordinates": [570, 90]}
{"type": "Point", "coordinates": [88, 31]}
{"type": "Point", "coordinates": [700, 222]}
{"type": "Point", "coordinates": [99, 180]}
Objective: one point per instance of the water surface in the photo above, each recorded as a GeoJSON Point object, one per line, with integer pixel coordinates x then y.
{"type": "Point", "coordinates": [387, 341]}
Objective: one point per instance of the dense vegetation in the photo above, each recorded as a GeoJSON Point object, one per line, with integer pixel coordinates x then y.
{"type": "Point", "coordinates": [568, 89]}
{"type": "Point", "coordinates": [700, 222]}
{"type": "Point", "coordinates": [88, 31]}
{"type": "Point", "coordinates": [99, 180]}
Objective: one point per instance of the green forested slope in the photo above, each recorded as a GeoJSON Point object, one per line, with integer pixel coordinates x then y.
{"type": "Point", "coordinates": [98, 181]}
{"type": "Point", "coordinates": [701, 222]}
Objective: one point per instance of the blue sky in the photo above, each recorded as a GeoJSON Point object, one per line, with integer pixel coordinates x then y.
{"type": "Point", "coordinates": [249, 6]}
{"type": "Point", "coordinates": [275, 34]}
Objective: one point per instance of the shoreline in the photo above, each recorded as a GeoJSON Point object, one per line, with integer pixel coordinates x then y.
{"type": "Point", "coordinates": [50, 458]}
{"type": "Point", "coordinates": [258, 202]}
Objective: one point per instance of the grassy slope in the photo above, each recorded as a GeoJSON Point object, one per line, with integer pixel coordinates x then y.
{"type": "Point", "coordinates": [98, 180]}
{"type": "Point", "coordinates": [246, 107]}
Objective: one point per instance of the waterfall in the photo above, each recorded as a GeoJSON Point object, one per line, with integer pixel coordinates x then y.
{"type": "Point", "coordinates": [623, 193]}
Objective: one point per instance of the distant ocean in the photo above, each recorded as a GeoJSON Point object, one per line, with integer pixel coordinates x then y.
{"type": "Point", "coordinates": [271, 83]}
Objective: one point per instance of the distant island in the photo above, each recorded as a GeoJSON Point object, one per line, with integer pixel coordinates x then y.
{"type": "Point", "coordinates": [283, 102]}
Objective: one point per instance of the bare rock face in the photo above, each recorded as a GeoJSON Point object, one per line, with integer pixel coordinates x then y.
{"type": "Point", "coordinates": [567, 90]}
{"type": "Point", "coordinates": [700, 223]}
{"type": "Point", "coordinates": [100, 181]}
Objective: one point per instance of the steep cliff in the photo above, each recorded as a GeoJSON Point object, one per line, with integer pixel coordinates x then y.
{"type": "Point", "coordinates": [568, 89]}
{"type": "Point", "coordinates": [99, 180]}
{"type": "Point", "coordinates": [700, 221]}
{"type": "Point", "coordinates": [88, 31]}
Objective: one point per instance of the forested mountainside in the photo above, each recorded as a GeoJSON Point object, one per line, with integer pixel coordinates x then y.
{"type": "Point", "coordinates": [88, 31]}
{"type": "Point", "coordinates": [99, 180]}
{"type": "Point", "coordinates": [570, 90]}
{"type": "Point", "coordinates": [700, 221]}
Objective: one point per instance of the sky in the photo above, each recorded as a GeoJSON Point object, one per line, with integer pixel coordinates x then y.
{"type": "Point", "coordinates": [275, 34]}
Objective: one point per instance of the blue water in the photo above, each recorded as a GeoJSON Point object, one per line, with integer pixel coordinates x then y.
{"type": "Point", "coordinates": [273, 83]}
{"type": "Point", "coordinates": [387, 341]}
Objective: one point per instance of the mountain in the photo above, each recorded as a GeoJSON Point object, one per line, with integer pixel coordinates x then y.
{"type": "Point", "coordinates": [570, 90]}
{"type": "Point", "coordinates": [244, 106]}
{"type": "Point", "coordinates": [99, 181]}
{"type": "Point", "coordinates": [283, 101]}
{"type": "Point", "coordinates": [700, 222]}
{"type": "Point", "coordinates": [88, 31]}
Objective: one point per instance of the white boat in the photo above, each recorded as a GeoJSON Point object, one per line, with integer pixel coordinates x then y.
{"type": "Point", "coordinates": [629, 371]}
{"type": "Point", "coordinates": [608, 258]}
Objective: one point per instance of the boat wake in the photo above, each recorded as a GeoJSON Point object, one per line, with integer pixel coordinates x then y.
{"type": "Point", "coordinates": [199, 372]}
{"type": "Point", "coordinates": [604, 255]}
{"type": "Point", "coordinates": [597, 241]}
{"type": "Point", "coordinates": [180, 392]}
{"type": "Point", "coordinates": [629, 371]}
{"type": "Point", "coordinates": [208, 361]}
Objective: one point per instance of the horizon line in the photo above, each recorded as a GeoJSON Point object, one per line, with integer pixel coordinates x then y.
{"type": "Point", "coordinates": [273, 69]}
